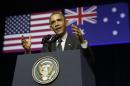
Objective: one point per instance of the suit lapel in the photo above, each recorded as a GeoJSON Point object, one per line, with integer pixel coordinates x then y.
{"type": "Point", "coordinates": [68, 44]}
{"type": "Point", "coordinates": [53, 47]}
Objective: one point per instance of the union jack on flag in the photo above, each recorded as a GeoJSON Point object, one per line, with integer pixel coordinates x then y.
{"type": "Point", "coordinates": [81, 15]}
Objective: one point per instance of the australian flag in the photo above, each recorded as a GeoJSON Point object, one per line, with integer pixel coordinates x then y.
{"type": "Point", "coordinates": [105, 24]}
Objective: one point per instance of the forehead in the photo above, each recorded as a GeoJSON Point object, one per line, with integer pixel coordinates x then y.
{"type": "Point", "coordinates": [56, 16]}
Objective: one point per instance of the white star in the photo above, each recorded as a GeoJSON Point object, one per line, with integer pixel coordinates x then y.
{"type": "Point", "coordinates": [115, 32]}
{"type": "Point", "coordinates": [122, 15]}
{"type": "Point", "coordinates": [82, 31]}
{"type": "Point", "coordinates": [114, 9]}
{"type": "Point", "coordinates": [117, 22]}
{"type": "Point", "coordinates": [105, 19]}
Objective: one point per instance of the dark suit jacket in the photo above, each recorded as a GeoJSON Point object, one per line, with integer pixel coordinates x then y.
{"type": "Point", "coordinates": [73, 43]}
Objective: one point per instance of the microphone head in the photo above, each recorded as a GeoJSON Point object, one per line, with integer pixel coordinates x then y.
{"type": "Point", "coordinates": [45, 39]}
{"type": "Point", "coordinates": [54, 38]}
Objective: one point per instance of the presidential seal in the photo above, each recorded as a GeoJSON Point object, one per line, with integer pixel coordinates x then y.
{"type": "Point", "coordinates": [45, 70]}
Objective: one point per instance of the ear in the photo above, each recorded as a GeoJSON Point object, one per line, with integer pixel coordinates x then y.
{"type": "Point", "coordinates": [67, 22]}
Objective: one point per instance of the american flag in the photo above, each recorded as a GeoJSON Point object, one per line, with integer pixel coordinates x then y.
{"type": "Point", "coordinates": [36, 24]}
{"type": "Point", "coordinates": [102, 24]}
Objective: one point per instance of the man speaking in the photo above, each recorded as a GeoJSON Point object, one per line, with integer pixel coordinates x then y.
{"type": "Point", "coordinates": [62, 40]}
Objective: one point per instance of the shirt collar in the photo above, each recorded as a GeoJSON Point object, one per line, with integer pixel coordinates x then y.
{"type": "Point", "coordinates": [64, 36]}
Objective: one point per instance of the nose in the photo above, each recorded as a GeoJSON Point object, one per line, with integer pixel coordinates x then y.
{"type": "Point", "coordinates": [56, 24]}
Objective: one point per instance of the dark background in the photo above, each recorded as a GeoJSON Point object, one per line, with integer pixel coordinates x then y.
{"type": "Point", "coordinates": [112, 61]}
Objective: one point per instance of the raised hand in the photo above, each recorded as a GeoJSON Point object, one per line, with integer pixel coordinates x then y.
{"type": "Point", "coordinates": [77, 33]}
{"type": "Point", "coordinates": [26, 43]}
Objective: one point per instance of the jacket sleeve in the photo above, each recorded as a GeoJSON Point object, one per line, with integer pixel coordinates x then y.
{"type": "Point", "coordinates": [87, 53]}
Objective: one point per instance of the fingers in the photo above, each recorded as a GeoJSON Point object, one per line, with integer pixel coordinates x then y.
{"type": "Point", "coordinates": [29, 37]}
{"type": "Point", "coordinates": [77, 33]}
{"type": "Point", "coordinates": [26, 43]}
{"type": "Point", "coordinates": [75, 29]}
{"type": "Point", "coordinates": [24, 39]}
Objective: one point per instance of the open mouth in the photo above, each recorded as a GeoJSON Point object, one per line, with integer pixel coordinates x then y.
{"type": "Point", "coordinates": [59, 28]}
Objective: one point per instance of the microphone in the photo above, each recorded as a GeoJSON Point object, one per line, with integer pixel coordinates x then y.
{"type": "Point", "coordinates": [49, 38]}
{"type": "Point", "coordinates": [46, 39]}
{"type": "Point", "coordinates": [54, 38]}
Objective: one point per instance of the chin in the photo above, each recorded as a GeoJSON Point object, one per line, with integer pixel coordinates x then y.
{"type": "Point", "coordinates": [59, 33]}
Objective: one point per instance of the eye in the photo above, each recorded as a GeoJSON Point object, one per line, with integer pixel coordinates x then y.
{"type": "Point", "coordinates": [59, 19]}
{"type": "Point", "coordinates": [52, 22]}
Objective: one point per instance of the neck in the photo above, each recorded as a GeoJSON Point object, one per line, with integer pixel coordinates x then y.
{"type": "Point", "coordinates": [61, 35]}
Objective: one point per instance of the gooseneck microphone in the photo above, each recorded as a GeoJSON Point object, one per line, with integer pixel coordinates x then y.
{"type": "Point", "coordinates": [48, 40]}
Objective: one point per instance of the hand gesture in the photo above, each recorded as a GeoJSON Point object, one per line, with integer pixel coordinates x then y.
{"type": "Point", "coordinates": [26, 43]}
{"type": "Point", "coordinates": [78, 33]}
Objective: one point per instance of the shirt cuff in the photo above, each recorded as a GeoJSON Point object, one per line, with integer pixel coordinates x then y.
{"type": "Point", "coordinates": [84, 45]}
